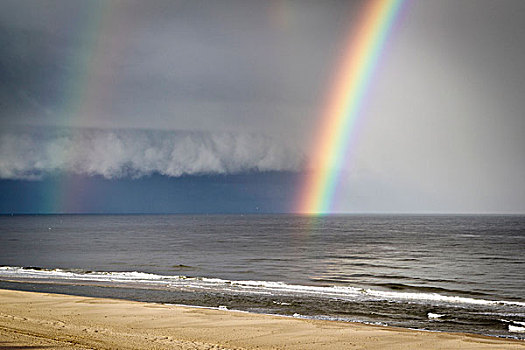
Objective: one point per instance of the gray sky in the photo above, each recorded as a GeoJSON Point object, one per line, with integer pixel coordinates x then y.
{"type": "Point", "coordinates": [443, 128]}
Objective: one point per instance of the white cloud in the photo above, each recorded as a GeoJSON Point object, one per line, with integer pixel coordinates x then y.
{"type": "Point", "coordinates": [33, 153]}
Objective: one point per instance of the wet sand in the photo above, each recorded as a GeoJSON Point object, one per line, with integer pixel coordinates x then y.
{"type": "Point", "coordinates": [54, 321]}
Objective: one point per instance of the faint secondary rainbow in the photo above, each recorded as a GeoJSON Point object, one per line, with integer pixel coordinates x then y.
{"type": "Point", "coordinates": [100, 33]}
{"type": "Point", "coordinates": [352, 80]}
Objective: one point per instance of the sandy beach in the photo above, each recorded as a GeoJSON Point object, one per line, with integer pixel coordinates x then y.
{"type": "Point", "coordinates": [54, 321]}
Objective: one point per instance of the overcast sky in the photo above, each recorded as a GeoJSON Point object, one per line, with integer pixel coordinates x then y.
{"type": "Point", "coordinates": [225, 87]}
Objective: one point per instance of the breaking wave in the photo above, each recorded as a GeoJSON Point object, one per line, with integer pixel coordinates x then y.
{"type": "Point", "coordinates": [144, 280]}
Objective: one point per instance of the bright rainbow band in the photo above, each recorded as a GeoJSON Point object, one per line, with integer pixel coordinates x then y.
{"type": "Point", "coordinates": [352, 80]}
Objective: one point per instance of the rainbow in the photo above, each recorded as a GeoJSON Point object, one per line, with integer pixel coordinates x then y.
{"type": "Point", "coordinates": [100, 33]}
{"type": "Point", "coordinates": [344, 104]}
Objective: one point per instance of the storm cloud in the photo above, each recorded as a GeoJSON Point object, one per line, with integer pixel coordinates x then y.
{"type": "Point", "coordinates": [33, 154]}
{"type": "Point", "coordinates": [179, 65]}
{"type": "Point", "coordinates": [240, 86]}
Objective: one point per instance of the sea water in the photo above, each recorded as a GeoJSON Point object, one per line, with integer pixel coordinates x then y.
{"type": "Point", "coordinates": [444, 273]}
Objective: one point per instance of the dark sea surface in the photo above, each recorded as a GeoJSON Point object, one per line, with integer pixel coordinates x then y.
{"type": "Point", "coordinates": [445, 273]}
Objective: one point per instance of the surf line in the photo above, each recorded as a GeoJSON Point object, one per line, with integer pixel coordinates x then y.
{"type": "Point", "coordinates": [347, 93]}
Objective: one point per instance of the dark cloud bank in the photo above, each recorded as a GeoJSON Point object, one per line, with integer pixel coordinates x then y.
{"type": "Point", "coordinates": [252, 192]}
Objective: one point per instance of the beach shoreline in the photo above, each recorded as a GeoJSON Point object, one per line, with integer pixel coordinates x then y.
{"type": "Point", "coordinates": [57, 321]}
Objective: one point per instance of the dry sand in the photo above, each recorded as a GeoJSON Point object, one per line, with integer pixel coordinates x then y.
{"type": "Point", "coordinates": [52, 321]}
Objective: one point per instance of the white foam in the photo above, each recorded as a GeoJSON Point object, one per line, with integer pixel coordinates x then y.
{"type": "Point", "coordinates": [11, 271]}
{"type": "Point", "coordinates": [439, 298]}
{"type": "Point", "coordinates": [246, 287]}
{"type": "Point", "coordinates": [516, 329]}
{"type": "Point", "coordinates": [432, 316]}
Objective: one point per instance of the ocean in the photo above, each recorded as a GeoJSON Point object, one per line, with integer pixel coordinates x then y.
{"type": "Point", "coordinates": [458, 273]}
